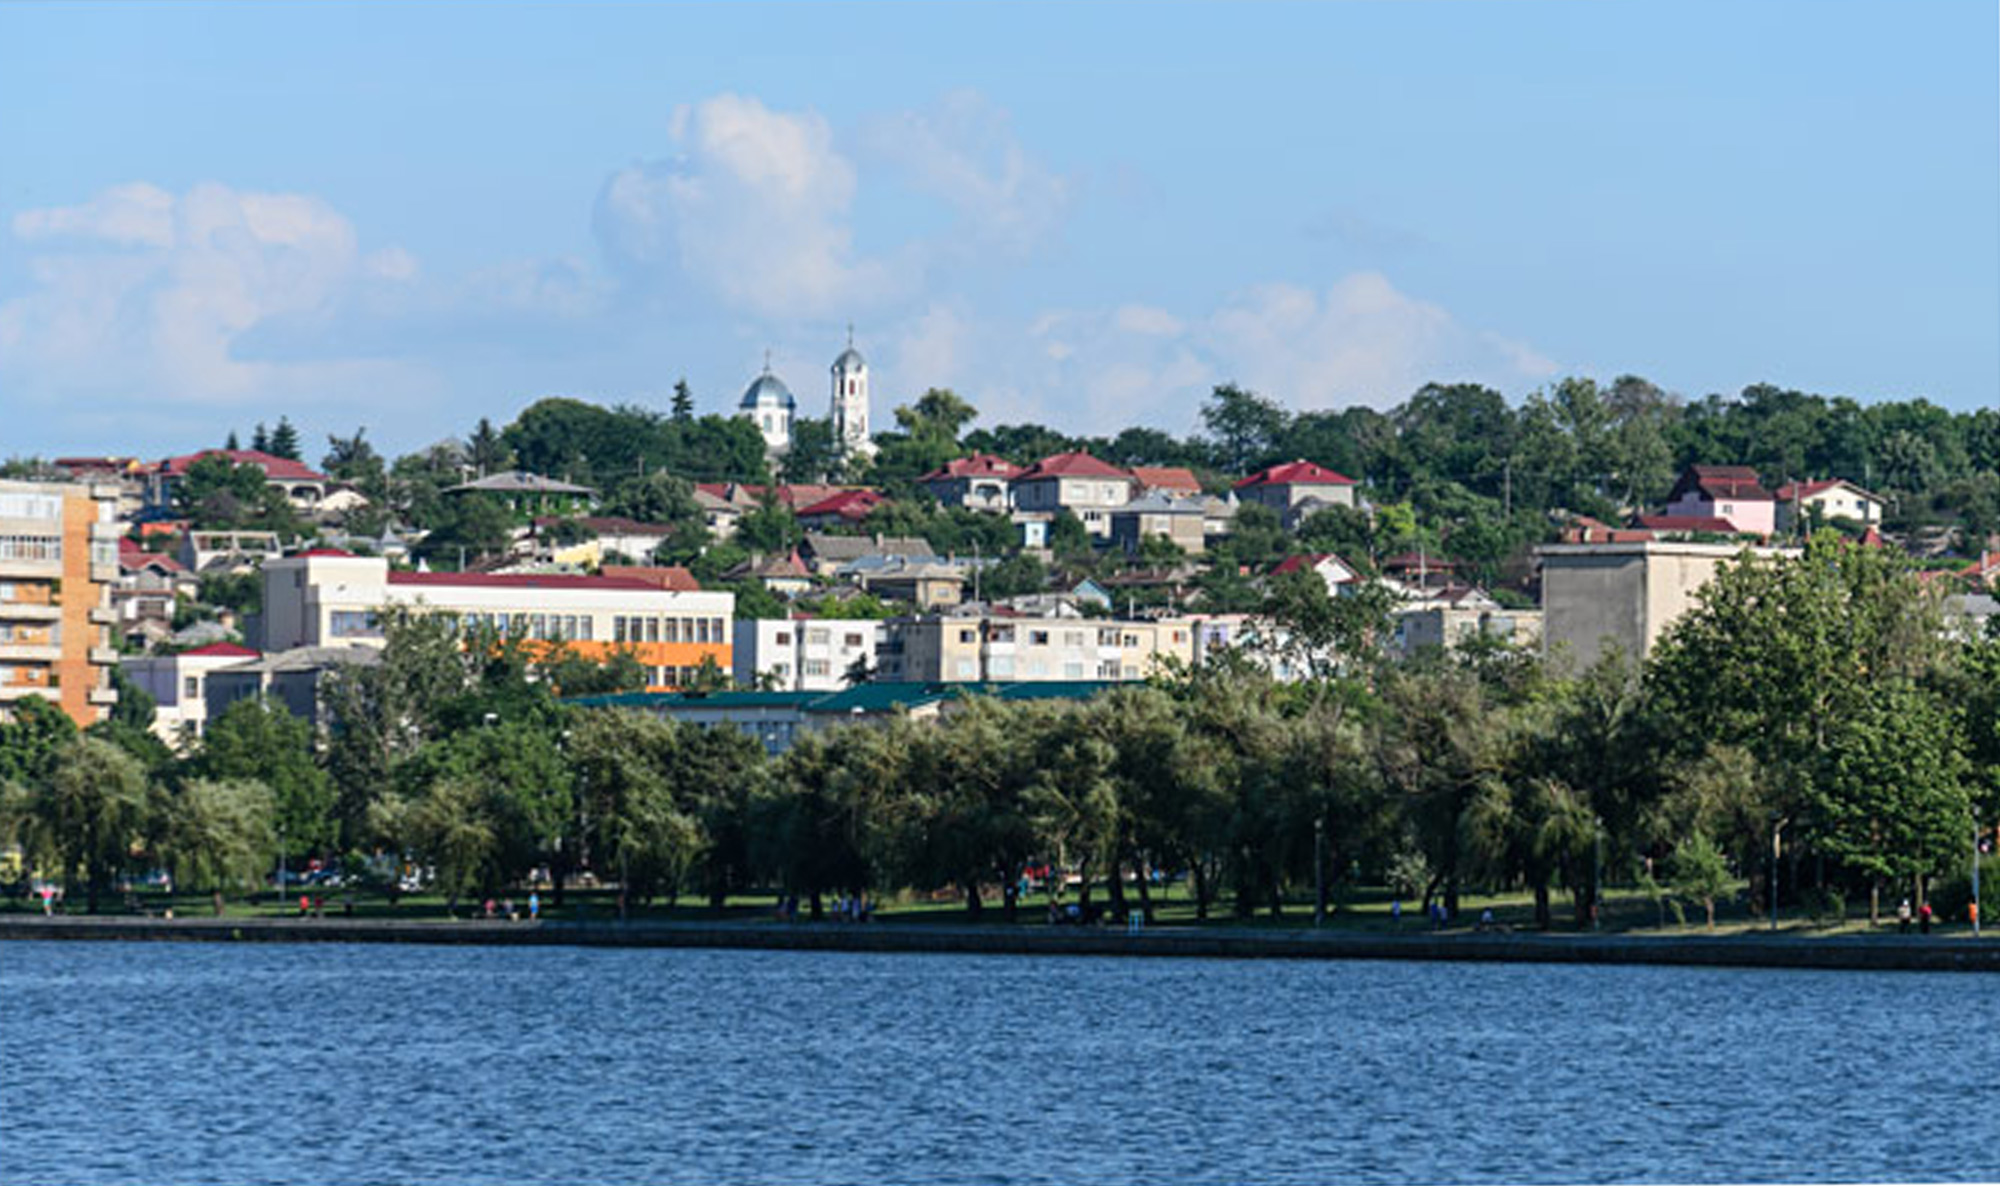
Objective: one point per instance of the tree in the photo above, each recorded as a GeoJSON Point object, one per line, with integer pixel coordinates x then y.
{"type": "Point", "coordinates": [485, 450]}
{"type": "Point", "coordinates": [449, 823]}
{"type": "Point", "coordinates": [285, 440]}
{"type": "Point", "coordinates": [217, 834]}
{"type": "Point", "coordinates": [260, 439]}
{"type": "Point", "coordinates": [1702, 873]}
{"type": "Point", "coordinates": [814, 454]}
{"type": "Point", "coordinates": [468, 527]}
{"type": "Point", "coordinates": [1243, 427]}
{"type": "Point", "coordinates": [657, 497]}
{"type": "Point", "coordinates": [84, 817]}
{"type": "Point", "coordinates": [256, 740]}
{"type": "Point", "coordinates": [683, 405]}
{"type": "Point", "coordinates": [354, 459]}
{"type": "Point", "coordinates": [136, 706]}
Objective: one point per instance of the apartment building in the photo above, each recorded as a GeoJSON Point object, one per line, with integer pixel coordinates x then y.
{"type": "Point", "coordinates": [178, 684]}
{"type": "Point", "coordinates": [803, 654]}
{"type": "Point", "coordinates": [331, 598]}
{"type": "Point", "coordinates": [983, 648]}
{"type": "Point", "coordinates": [58, 562]}
{"type": "Point", "coordinates": [1624, 595]}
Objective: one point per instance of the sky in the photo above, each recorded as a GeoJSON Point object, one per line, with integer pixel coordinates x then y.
{"type": "Point", "coordinates": [406, 217]}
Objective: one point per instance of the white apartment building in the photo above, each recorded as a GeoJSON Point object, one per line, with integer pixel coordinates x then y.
{"type": "Point", "coordinates": [943, 648]}
{"type": "Point", "coordinates": [803, 654]}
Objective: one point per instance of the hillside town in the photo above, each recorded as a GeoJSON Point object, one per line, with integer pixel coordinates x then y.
{"type": "Point", "coordinates": [792, 570]}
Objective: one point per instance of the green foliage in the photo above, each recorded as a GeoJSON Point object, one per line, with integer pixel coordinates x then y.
{"type": "Point", "coordinates": [465, 528]}
{"type": "Point", "coordinates": [257, 741]}
{"type": "Point", "coordinates": [83, 817]}
{"type": "Point", "coordinates": [285, 440]}
{"type": "Point", "coordinates": [217, 494]}
{"type": "Point", "coordinates": [598, 446]}
{"type": "Point", "coordinates": [217, 834]}
{"type": "Point", "coordinates": [1701, 874]}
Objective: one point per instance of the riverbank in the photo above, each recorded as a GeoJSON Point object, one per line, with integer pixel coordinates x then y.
{"type": "Point", "coordinates": [1873, 953]}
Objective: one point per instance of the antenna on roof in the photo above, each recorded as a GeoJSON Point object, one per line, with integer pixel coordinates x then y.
{"type": "Point", "coordinates": [850, 335]}
{"type": "Point", "coordinates": [767, 360]}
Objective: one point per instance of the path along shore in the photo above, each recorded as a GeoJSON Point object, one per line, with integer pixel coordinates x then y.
{"type": "Point", "coordinates": [1876, 952]}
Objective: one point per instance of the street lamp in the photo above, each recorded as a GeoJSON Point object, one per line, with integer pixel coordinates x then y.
{"type": "Point", "coordinates": [1777, 828]}
{"type": "Point", "coordinates": [1319, 872]}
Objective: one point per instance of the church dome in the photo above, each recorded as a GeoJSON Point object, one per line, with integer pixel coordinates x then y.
{"type": "Point", "coordinates": [850, 360]}
{"type": "Point", "coordinates": [769, 391]}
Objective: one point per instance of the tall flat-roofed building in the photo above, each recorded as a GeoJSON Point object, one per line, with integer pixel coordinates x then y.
{"type": "Point", "coordinates": [58, 562]}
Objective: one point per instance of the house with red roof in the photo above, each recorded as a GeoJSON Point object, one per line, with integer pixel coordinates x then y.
{"type": "Point", "coordinates": [1732, 493]}
{"type": "Point", "coordinates": [1085, 486]}
{"type": "Point", "coordinates": [981, 482]}
{"type": "Point", "coordinates": [1328, 567]}
{"type": "Point", "coordinates": [1177, 481]}
{"type": "Point", "coordinates": [844, 509]}
{"type": "Point", "coordinates": [304, 487]}
{"type": "Point", "coordinates": [1827, 500]}
{"type": "Point", "coordinates": [1295, 489]}
{"type": "Point", "coordinates": [149, 585]}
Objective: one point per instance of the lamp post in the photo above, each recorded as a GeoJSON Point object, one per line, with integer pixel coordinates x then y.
{"type": "Point", "coordinates": [281, 865]}
{"type": "Point", "coordinates": [1978, 846]}
{"type": "Point", "coordinates": [1777, 829]}
{"type": "Point", "coordinates": [1319, 871]}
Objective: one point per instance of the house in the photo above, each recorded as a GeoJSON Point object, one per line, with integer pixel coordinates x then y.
{"type": "Point", "coordinates": [1284, 488]}
{"type": "Point", "coordinates": [1624, 595]}
{"type": "Point", "coordinates": [803, 654]}
{"type": "Point", "coordinates": [828, 553]}
{"type": "Point", "coordinates": [295, 679]}
{"type": "Point", "coordinates": [178, 684]}
{"type": "Point", "coordinates": [979, 647]}
{"type": "Point", "coordinates": [1419, 570]}
{"type": "Point", "coordinates": [844, 509]}
{"type": "Point", "coordinates": [786, 575]}
{"type": "Point", "coordinates": [1181, 521]}
{"type": "Point", "coordinates": [671, 577]}
{"type": "Point", "coordinates": [302, 486]}
{"type": "Point", "coordinates": [981, 482]}
{"type": "Point", "coordinates": [529, 495]}
{"type": "Point", "coordinates": [1328, 567]}
{"type": "Point", "coordinates": [1731, 493]}
{"type": "Point", "coordinates": [1826, 501]}
{"type": "Point", "coordinates": [925, 583]}
{"type": "Point", "coordinates": [718, 513]}
{"type": "Point", "coordinates": [230, 552]}
{"type": "Point", "coordinates": [1175, 480]}
{"type": "Point", "coordinates": [1075, 482]}
{"type": "Point", "coordinates": [149, 585]}
{"type": "Point", "coordinates": [1684, 526]}
{"type": "Point", "coordinates": [612, 535]}
{"type": "Point", "coordinates": [1447, 618]}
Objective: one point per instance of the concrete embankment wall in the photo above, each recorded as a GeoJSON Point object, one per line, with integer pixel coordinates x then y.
{"type": "Point", "coordinates": [1911, 953]}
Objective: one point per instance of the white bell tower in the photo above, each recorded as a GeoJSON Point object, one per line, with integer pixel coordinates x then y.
{"type": "Point", "coordinates": [850, 402]}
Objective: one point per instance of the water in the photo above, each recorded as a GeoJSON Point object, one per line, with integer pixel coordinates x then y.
{"type": "Point", "coordinates": [133, 1062]}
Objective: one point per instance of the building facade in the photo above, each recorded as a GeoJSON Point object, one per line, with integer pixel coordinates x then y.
{"type": "Point", "coordinates": [1086, 487]}
{"type": "Point", "coordinates": [178, 685]}
{"type": "Point", "coordinates": [850, 403]}
{"type": "Point", "coordinates": [946, 648]}
{"type": "Point", "coordinates": [58, 563]}
{"type": "Point", "coordinates": [1624, 595]}
{"type": "Point", "coordinates": [326, 598]}
{"type": "Point", "coordinates": [803, 654]}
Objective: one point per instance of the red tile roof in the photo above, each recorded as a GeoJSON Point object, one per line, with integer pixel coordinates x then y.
{"type": "Point", "coordinates": [339, 553]}
{"type": "Point", "coordinates": [516, 580]}
{"type": "Point", "coordinates": [1307, 562]}
{"type": "Point", "coordinates": [131, 555]}
{"type": "Point", "coordinates": [1407, 561]}
{"type": "Point", "coordinates": [1295, 473]}
{"type": "Point", "coordinates": [1791, 490]}
{"type": "Point", "coordinates": [1738, 482]}
{"type": "Point", "coordinates": [1071, 465]}
{"type": "Point", "coordinates": [1707, 523]}
{"type": "Point", "coordinates": [852, 505]}
{"type": "Point", "coordinates": [282, 468]}
{"type": "Point", "coordinates": [1167, 477]}
{"type": "Point", "coordinates": [230, 649]}
{"type": "Point", "coordinates": [979, 465]}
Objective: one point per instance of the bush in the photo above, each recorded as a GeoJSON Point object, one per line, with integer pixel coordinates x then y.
{"type": "Point", "coordinates": [1826, 906]}
{"type": "Point", "coordinates": [1950, 896]}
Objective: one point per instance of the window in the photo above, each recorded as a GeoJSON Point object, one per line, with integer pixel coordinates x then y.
{"type": "Point", "coordinates": [1131, 640]}
{"type": "Point", "coordinates": [653, 629]}
{"type": "Point", "coordinates": [673, 631]}
{"type": "Point", "coordinates": [852, 641]}
{"type": "Point", "coordinates": [353, 624]}
{"type": "Point", "coordinates": [32, 547]}
{"type": "Point", "coordinates": [701, 629]}
{"type": "Point", "coordinates": [716, 631]}
{"type": "Point", "coordinates": [783, 639]}
{"type": "Point", "coordinates": [1072, 671]}
{"type": "Point", "coordinates": [968, 635]}
{"type": "Point", "coordinates": [817, 637]}
{"type": "Point", "coordinates": [1038, 638]}
{"type": "Point", "coordinates": [618, 628]}
{"type": "Point", "coordinates": [1108, 670]}
{"type": "Point", "coordinates": [538, 626]}
{"type": "Point", "coordinates": [190, 688]}
{"type": "Point", "coordinates": [1072, 638]}
{"type": "Point", "coordinates": [817, 667]}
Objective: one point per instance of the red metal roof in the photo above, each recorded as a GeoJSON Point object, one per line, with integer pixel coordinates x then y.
{"type": "Point", "coordinates": [1295, 473]}
{"type": "Point", "coordinates": [230, 649]}
{"type": "Point", "coordinates": [848, 504]}
{"type": "Point", "coordinates": [671, 577]}
{"type": "Point", "coordinates": [282, 468]}
{"type": "Point", "coordinates": [131, 555]}
{"type": "Point", "coordinates": [1708, 523]}
{"type": "Point", "coordinates": [1071, 465]}
{"type": "Point", "coordinates": [340, 553]}
{"type": "Point", "coordinates": [1737, 482]}
{"type": "Point", "coordinates": [979, 465]}
{"type": "Point", "coordinates": [1792, 490]}
{"type": "Point", "coordinates": [1307, 562]}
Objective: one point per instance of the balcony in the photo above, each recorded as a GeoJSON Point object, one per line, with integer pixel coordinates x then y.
{"type": "Point", "coordinates": [104, 656]}
{"type": "Point", "coordinates": [104, 696]}
{"type": "Point", "coordinates": [14, 611]}
{"type": "Point", "coordinates": [30, 652]}
{"type": "Point", "coordinates": [105, 615]}
{"type": "Point", "coordinates": [104, 572]}
{"type": "Point", "coordinates": [15, 568]}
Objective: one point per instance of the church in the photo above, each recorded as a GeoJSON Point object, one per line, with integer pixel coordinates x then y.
{"type": "Point", "coordinates": [769, 404]}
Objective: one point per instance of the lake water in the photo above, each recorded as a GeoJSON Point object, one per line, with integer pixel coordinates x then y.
{"type": "Point", "coordinates": [191, 1063]}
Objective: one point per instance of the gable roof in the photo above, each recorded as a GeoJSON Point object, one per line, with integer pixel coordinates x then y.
{"type": "Point", "coordinates": [230, 650]}
{"type": "Point", "coordinates": [132, 556]}
{"type": "Point", "coordinates": [1738, 482]}
{"type": "Point", "coordinates": [1294, 473]}
{"type": "Point", "coordinates": [1309, 562]}
{"type": "Point", "coordinates": [1167, 477]}
{"type": "Point", "coordinates": [1803, 490]}
{"type": "Point", "coordinates": [848, 504]}
{"type": "Point", "coordinates": [282, 468]}
{"type": "Point", "coordinates": [1703, 523]}
{"type": "Point", "coordinates": [852, 547]}
{"type": "Point", "coordinates": [671, 577]}
{"type": "Point", "coordinates": [979, 465]}
{"type": "Point", "coordinates": [516, 481]}
{"type": "Point", "coordinates": [1076, 464]}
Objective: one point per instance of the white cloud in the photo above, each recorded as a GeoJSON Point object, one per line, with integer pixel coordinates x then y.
{"type": "Point", "coordinates": [963, 150]}
{"type": "Point", "coordinates": [1145, 319]}
{"type": "Point", "coordinates": [755, 213]}
{"type": "Point", "coordinates": [140, 296]}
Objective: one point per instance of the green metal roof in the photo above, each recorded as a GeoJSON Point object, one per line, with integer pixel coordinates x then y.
{"type": "Point", "coordinates": [695, 699]}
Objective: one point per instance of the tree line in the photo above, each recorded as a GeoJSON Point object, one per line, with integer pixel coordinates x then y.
{"type": "Point", "coordinates": [1820, 700]}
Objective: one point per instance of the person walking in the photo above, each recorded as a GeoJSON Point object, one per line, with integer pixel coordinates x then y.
{"type": "Point", "coordinates": [1924, 918]}
{"type": "Point", "coordinates": [1903, 916]}
{"type": "Point", "coordinates": [534, 906]}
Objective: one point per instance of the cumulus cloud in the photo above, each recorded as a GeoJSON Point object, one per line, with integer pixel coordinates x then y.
{"type": "Point", "coordinates": [755, 211]}
{"type": "Point", "coordinates": [141, 294]}
{"type": "Point", "coordinates": [963, 150]}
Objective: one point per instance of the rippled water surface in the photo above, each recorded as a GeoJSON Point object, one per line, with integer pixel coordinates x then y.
{"type": "Point", "coordinates": [135, 1062]}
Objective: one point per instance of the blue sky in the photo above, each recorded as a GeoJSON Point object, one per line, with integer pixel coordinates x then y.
{"type": "Point", "coordinates": [408, 216]}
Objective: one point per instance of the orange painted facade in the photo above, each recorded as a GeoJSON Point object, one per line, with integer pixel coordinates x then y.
{"type": "Point", "coordinates": [54, 598]}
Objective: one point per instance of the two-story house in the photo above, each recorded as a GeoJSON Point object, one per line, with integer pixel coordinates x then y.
{"type": "Point", "coordinates": [1083, 485]}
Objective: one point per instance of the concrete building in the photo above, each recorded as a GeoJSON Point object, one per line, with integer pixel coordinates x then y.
{"type": "Point", "coordinates": [328, 598]}
{"type": "Point", "coordinates": [178, 685]}
{"type": "Point", "coordinates": [981, 482]}
{"type": "Point", "coordinates": [1181, 521]}
{"type": "Point", "coordinates": [58, 562]}
{"type": "Point", "coordinates": [1597, 596]}
{"type": "Point", "coordinates": [1075, 482]}
{"type": "Point", "coordinates": [1286, 488]}
{"type": "Point", "coordinates": [1450, 618]}
{"type": "Point", "coordinates": [803, 654]}
{"type": "Point", "coordinates": [946, 648]}
{"type": "Point", "coordinates": [295, 679]}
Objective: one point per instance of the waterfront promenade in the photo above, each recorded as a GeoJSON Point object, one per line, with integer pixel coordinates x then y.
{"type": "Point", "coordinates": [1874, 952]}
